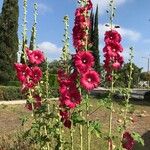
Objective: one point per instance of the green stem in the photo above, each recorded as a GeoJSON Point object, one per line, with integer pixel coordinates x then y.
{"type": "Point", "coordinates": [128, 96]}
{"type": "Point", "coordinates": [72, 139]}
{"type": "Point", "coordinates": [24, 32]}
{"type": "Point", "coordinates": [35, 23]}
{"type": "Point", "coordinates": [81, 126]}
{"type": "Point", "coordinates": [60, 130]}
{"type": "Point", "coordinates": [111, 113]}
{"type": "Point", "coordinates": [88, 123]}
{"type": "Point", "coordinates": [81, 133]}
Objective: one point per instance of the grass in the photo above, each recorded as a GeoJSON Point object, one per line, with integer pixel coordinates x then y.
{"type": "Point", "coordinates": [11, 129]}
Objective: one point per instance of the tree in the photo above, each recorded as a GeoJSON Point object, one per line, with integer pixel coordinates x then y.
{"type": "Point", "coordinates": [95, 40]}
{"type": "Point", "coordinates": [8, 39]}
{"type": "Point", "coordinates": [32, 44]}
{"type": "Point", "coordinates": [145, 76]}
{"type": "Point", "coordinates": [124, 73]}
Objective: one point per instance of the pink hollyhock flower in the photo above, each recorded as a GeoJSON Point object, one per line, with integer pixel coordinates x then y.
{"type": "Point", "coordinates": [89, 5]}
{"type": "Point", "coordinates": [23, 72]}
{"type": "Point", "coordinates": [37, 74]}
{"type": "Point", "coordinates": [83, 61]}
{"type": "Point", "coordinates": [73, 99]}
{"type": "Point", "coordinates": [35, 57]}
{"type": "Point", "coordinates": [113, 46]}
{"type": "Point", "coordinates": [62, 76]}
{"type": "Point", "coordinates": [127, 141]}
{"type": "Point", "coordinates": [90, 80]}
{"type": "Point", "coordinates": [36, 104]}
{"type": "Point", "coordinates": [116, 65]}
{"type": "Point", "coordinates": [112, 36]}
{"type": "Point", "coordinates": [79, 11]}
{"type": "Point", "coordinates": [66, 86]}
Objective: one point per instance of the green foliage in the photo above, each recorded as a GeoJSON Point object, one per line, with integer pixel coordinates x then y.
{"type": "Point", "coordinates": [94, 33]}
{"type": "Point", "coordinates": [53, 67]}
{"type": "Point", "coordinates": [123, 76]}
{"type": "Point", "coordinates": [95, 128]}
{"type": "Point", "coordinates": [13, 83]}
{"type": "Point", "coordinates": [8, 39]}
{"type": "Point", "coordinates": [145, 76]}
{"type": "Point", "coordinates": [137, 137]}
{"type": "Point", "coordinates": [10, 93]}
{"type": "Point", "coordinates": [31, 47]}
{"type": "Point", "coordinates": [53, 85]}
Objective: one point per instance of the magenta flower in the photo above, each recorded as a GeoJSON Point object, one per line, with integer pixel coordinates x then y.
{"type": "Point", "coordinates": [112, 36]}
{"type": "Point", "coordinates": [35, 56]}
{"type": "Point", "coordinates": [73, 99]}
{"type": "Point", "coordinates": [90, 80]}
{"type": "Point", "coordinates": [116, 65]}
{"type": "Point", "coordinates": [23, 72]}
{"type": "Point", "coordinates": [113, 46]}
{"type": "Point", "coordinates": [37, 74]}
{"type": "Point", "coordinates": [83, 61]}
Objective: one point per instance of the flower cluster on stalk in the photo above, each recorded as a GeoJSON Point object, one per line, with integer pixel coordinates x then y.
{"type": "Point", "coordinates": [83, 59]}
{"type": "Point", "coordinates": [112, 52]}
{"type": "Point", "coordinates": [83, 62]}
{"type": "Point", "coordinates": [29, 75]}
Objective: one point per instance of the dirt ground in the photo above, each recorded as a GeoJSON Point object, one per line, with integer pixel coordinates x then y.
{"type": "Point", "coordinates": [10, 119]}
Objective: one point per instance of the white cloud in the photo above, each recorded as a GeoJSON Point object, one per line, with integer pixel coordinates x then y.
{"type": "Point", "coordinates": [103, 4]}
{"type": "Point", "coordinates": [125, 32]}
{"type": "Point", "coordinates": [43, 8]}
{"type": "Point", "coordinates": [51, 50]}
{"type": "Point", "coordinates": [130, 34]}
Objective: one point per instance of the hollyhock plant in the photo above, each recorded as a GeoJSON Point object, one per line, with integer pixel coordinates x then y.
{"type": "Point", "coordinates": [112, 36]}
{"type": "Point", "coordinates": [83, 60]}
{"type": "Point", "coordinates": [113, 46]}
{"type": "Point", "coordinates": [37, 74]}
{"type": "Point", "coordinates": [73, 99]}
{"type": "Point", "coordinates": [116, 65]}
{"type": "Point", "coordinates": [67, 86]}
{"type": "Point", "coordinates": [35, 56]}
{"type": "Point", "coordinates": [112, 52]}
{"type": "Point", "coordinates": [127, 141]}
{"type": "Point", "coordinates": [36, 104]}
{"type": "Point", "coordinates": [90, 80]}
{"type": "Point", "coordinates": [23, 72]}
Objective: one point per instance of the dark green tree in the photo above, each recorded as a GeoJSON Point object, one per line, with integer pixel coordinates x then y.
{"type": "Point", "coordinates": [8, 39]}
{"type": "Point", "coordinates": [31, 47]}
{"type": "Point", "coordinates": [145, 76]}
{"type": "Point", "coordinates": [123, 74]}
{"type": "Point", "coordinates": [91, 30]}
{"type": "Point", "coordinates": [95, 40]}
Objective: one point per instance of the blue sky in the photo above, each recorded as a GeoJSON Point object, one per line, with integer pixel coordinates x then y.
{"type": "Point", "coordinates": [131, 15]}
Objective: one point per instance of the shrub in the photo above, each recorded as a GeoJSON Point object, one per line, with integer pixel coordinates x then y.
{"type": "Point", "coordinates": [53, 80]}
{"type": "Point", "coordinates": [10, 93]}
{"type": "Point", "coordinates": [53, 85]}
{"type": "Point", "coordinates": [13, 83]}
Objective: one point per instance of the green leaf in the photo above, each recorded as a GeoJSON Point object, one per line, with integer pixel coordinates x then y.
{"type": "Point", "coordinates": [137, 137]}
{"type": "Point", "coordinates": [95, 128]}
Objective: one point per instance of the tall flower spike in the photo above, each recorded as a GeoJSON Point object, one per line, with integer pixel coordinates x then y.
{"type": "Point", "coordinates": [24, 33]}
{"type": "Point", "coordinates": [65, 50]}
